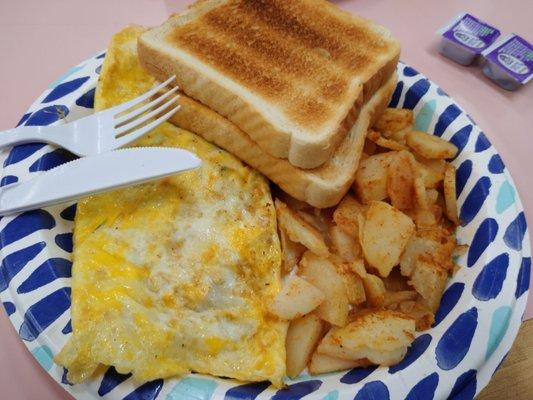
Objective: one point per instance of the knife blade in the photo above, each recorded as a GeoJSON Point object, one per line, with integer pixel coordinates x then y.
{"type": "Point", "coordinates": [95, 174]}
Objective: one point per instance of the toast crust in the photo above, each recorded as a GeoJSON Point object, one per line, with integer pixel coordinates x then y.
{"type": "Point", "coordinates": [293, 75]}
{"type": "Point", "coordinates": [320, 187]}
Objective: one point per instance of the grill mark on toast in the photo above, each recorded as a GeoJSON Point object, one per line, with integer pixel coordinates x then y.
{"type": "Point", "coordinates": [283, 59]}
{"type": "Point", "coordinates": [283, 54]}
{"type": "Point", "coordinates": [351, 47]}
{"type": "Point", "coordinates": [305, 57]}
{"type": "Point", "coordinates": [221, 56]}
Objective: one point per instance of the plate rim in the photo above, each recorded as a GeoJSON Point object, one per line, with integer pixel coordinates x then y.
{"type": "Point", "coordinates": [517, 308]}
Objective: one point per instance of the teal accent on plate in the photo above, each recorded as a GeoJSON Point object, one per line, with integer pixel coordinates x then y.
{"type": "Point", "coordinates": [299, 378]}
{"type": "Point", "coordinates": [333, 395]}
{"type": "Point", "coordinates": [506, 197]}
{"type": "Point", "coordinates": [498, 327]}
{"type": "Point", "coordinates": [44, 357]}
{"type": "Point", "coordinates": [193, 388]}
{"type": "Point", "coordinates": [425, 116]}
{"type": "Point", "coordinates": [70, 72]}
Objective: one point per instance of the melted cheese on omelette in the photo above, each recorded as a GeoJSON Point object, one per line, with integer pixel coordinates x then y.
{"type": "Point", "coordinates": [173, 276]}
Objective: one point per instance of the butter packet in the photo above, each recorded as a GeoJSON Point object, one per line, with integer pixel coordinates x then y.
{"type": "Point", "coordinates": [509, 62]}
{"type": "Point", "coordinates": [465, 37]}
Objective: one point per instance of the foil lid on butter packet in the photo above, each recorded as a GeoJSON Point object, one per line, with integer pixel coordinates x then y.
{"type": "Point", "coordinates": [509, 62]}
{"type": "Point", "coordinates": [465, 37]}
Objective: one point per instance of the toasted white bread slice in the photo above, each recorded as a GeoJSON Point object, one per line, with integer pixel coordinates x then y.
{"type": "Point", "coordinates": [320, 187]}
{"type": "Point", "coordinates": [292, 74]}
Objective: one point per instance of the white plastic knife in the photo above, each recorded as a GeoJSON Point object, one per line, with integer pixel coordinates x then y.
{"type": "Point", "coordinates": [95, 174]}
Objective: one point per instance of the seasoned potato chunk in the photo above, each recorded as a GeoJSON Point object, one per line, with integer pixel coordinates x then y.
{"type": "Point", "coordinates": [323, 274]}
{"type": "Point", "coordinates": [400, 182]}
{"type": "Point", "coordinates": [344, 245]}
{"type": "Point", "coordinates": [430, 146]}
{"type": "Point", "coordinates": [302, 337]}
{"type": "Point", "coordinates": [395, 123]}
{"type": "Point", "coordinates": [300, 230]}
{"type": "Point", "coordinates": [450, 194]}
{"type": "Point", "coordinates": [296, 298]}
{"type": "Point", "coordinates": [291, 251]}
{"type": "Point", "coordinates": [321, 364]}
{"type": "Point", "coordinates": [385, 235]}
{"type": "Point", "coordinates": [347, 214]}
{"type": "Point", "coordinates": [371, 177]}
{"type": "Point", "coordinates": [380, 336]}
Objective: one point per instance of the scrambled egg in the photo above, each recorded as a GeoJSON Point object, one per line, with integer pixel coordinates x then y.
{"type": "Point", "coordinates": [173, 276]}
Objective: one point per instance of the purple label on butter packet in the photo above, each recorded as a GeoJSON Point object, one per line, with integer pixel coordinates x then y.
{"type": "Point", "coordinates": [514, 55]}
{"type": "Point", "coordinates": [471, 33]}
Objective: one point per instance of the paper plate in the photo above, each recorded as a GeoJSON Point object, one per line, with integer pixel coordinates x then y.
{"type": "Point", "coordinates": [475, 326]}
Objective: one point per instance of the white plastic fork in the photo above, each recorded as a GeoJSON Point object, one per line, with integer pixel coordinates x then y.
{"type": "Point", "coordinates": [103, 131]}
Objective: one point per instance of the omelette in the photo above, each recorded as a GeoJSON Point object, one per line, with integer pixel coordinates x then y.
{"type": "Point", "coordinates": [174, 275]}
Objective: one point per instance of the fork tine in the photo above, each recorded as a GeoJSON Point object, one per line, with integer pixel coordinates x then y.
{"type": "Point", "coordinates": [140, 110]}
{"type": "Point", "coordinates": [141, 131]}
{"type": "Point", "coordinates": [123, 107]}
{"type": "Point", "coordinates": [143, 118]}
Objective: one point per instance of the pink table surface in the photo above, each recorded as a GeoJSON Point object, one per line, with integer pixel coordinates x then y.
{"type": "Point", "coordinates": [39, 40]}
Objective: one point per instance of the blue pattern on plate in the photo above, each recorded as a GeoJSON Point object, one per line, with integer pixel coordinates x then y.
{"type": "Point", "coordinates": [449, 299]}
{"type": "Point", "coordinates": [193, 388]}
{"type": "Point", "coordinates": [425, 389]}
{"type": "Point", "coordinates": [498, 327]}
{"type": "Point", "coordinates": [14, 262]}
{"type": "Point", "coordinates": [415, 93]}
{"type": "Point", "coordinates": [64, 379]}
{"type": "Point", "coordinates": [47, 272]}
{"type": "Point", "coordinates": [69, 213]}
{"type": "Point", "coordinates": [475, 200]}
{"type": "Point", "coordinates": [8, 179]}
{"type": "Point", "coordinates": [25, 224]}
{"type": "Point", "coordinates": [297, 390]}
{"type": "Point", "coordinates": [101, 55]}
{"type": "Point", "coordinates": [524, 274]}
{"type": "Point", "coordinates": [455, 342]}
{"type": "Point", "coordinates": [375, 390]}
{"type": "Point", "coordinates": [395, 98]}
{"type": "Point", "coordinates": [65, 88]}
{"type": "Point", "coordinates": [462, 174]}
{"type": "Point", "coordinates": [47, 115]}
{"type": "Point", "coordinates": [464, 387]}
{"type": "Point", "coordinates": [52, 160]}
{"type": "Point", "coordinates": [482, 143]}
{"type": "Point", "coordinates": [484, 236]}
{"type": "Point", "coordinates": [489, 282]}
{"type": "Point", "coordinates": [356, 375]}
{"type": "Point", "coordinates": [111, 380]}
{"type": "Point", "coordinates": [441, 92]}
{"type": "Point", "coordinates": [506, 197]}
{"type": "Point", "coordinates": [21, 152]}
{"type": "Point", "coordinates": [460, 139]}
{"type": "Point", "coordinates": [248, 391]}
{"type": "Point", "coordinates": [67, 328]}
{"type": "Point", "coordinates": [147, 391]}
{"type": "Point", "coordinates": [64, 241]}
{"type": "Point", "coordinates": [24, 119]}
{"type": "Point", "coordinates": [424, 117]}
{"type": "Point", "coordinates": [41, 314]}
{"type": "Point", "coordinates": [9, 307]}
{"type": "Point", "coordinates": [409, 71]}
{"type": "Point", "coordinates": [496, 165]}
{"type": "Point", "coordinates": [514, 234]}
{"type": "Point", "coordinates": [449, 115]}
{"type": "Point", "coordinates": [87, 99]}
{"type": "Point", "coordinates": [44, 357]}
{"type": "Point", "coordinates": [417, 348]}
